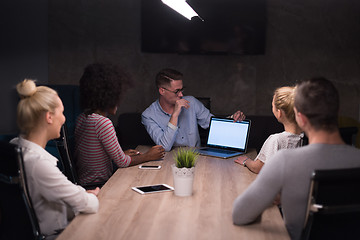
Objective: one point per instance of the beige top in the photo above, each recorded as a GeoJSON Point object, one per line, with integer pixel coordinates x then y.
{"type": "Point", "coordinates": [277, 141]}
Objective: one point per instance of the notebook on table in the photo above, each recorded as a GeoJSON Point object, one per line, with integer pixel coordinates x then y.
{"type": "Point", "coordinates": [226, 138]}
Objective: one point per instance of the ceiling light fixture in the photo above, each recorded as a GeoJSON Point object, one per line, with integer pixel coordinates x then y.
{"type": "Point", "coordinates": [182, 7]}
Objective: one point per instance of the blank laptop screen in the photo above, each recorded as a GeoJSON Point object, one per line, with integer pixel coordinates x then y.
{"type": "Point", "coordinates": [227, 133]}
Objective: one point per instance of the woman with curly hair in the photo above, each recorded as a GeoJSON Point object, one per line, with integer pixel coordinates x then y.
{"type": "Point", "coordinates": [96, 144]}
{"type": "Point", "coordinates": [283, 110]}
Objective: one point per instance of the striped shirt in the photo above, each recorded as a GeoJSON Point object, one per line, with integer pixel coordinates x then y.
{"type": "Point", "coordinates": [96, 148]}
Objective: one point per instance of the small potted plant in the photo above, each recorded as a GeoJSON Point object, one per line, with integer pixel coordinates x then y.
{"type": "Point", "coordinates": [183, 171]}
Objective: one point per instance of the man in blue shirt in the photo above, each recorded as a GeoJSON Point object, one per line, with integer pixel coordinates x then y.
{"type": "Point", "coordinates": [173, 119]}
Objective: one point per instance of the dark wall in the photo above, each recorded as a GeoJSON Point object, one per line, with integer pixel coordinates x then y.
{"type": "Point", "coordinates": [23, 52]}
{"type": "Point", "coordinates": [304, 39]}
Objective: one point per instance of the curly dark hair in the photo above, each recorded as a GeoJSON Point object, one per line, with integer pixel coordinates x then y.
{"type": "Point", "coordinates": [101, 86]}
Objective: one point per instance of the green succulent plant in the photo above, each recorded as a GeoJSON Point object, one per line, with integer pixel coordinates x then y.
{"type": "Point", "coordinates": [185, 158]}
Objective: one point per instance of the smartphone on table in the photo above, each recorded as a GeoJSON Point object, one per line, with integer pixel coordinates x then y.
{"type": "Point", "coordinates": [149, 166]}
{"type": "Point", "coordinates": [153, 188]}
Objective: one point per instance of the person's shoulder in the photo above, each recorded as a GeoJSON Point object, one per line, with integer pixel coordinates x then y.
{"type": "Point", "coordinates": [282, 134]}
{"type": "Point", "coordinates": [94, 117]}
{"type": "Point", "coordinates": [348, 148]}
{"type": "Point", "coordinates": [102, 119]}
{"type": "Point", "coordinates": [283, 137]}
{"type": "Point", "coordinates": [294, 153]}
{"type": "Point", "coordinates": [191, 99]}
{"type": "Point", "coordinates": [275, 135]}
{"type": "Point", "coordinates": [83, 115]}
{"type": "Point", "coordinates": [150, 109]}
{"type": "Point", "coordinates": [353, 151]}
{"type": "Point", "coordinates": [97, 120]}
{"type": "Point", "coordinates": [288, 153]}
{"type": "Point", "coordinates": [273, 138]}
{"type": "Point", "coordinates": [44, 167]}
{"type": "Point", "coordinates": [188, 97]}
{"type": "Point", "coordinates": [353, 148]}
{"type": "Point", "coordinates": [287, 136]}
{"type": "Point", "coordinates": [38, 158]}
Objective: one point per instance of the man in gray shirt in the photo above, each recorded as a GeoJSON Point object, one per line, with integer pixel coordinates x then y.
{"type": "Point", "coordinates": [289, 171]}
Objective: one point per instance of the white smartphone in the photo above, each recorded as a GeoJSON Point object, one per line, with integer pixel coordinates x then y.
{"type": "Point", "coordinates": [149, 167]}
{"type": "Point", "coordinates": [153, 188]}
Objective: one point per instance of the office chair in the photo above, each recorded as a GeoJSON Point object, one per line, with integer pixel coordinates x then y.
{"type": "Point", "coordinates": [131, 132]}
{"type": "Point", "coordinates": [17, 216]}
{"type": "Point", "coordinates": [261, 128]}
{"type": "Point", "coordinates": [334, 205]}
{"type": "Point", "coordinates": [348, 134]}
{"type": "Point", "coordinates": [66, 159]}
{"type": "Point", "coordinates": [204, 132]}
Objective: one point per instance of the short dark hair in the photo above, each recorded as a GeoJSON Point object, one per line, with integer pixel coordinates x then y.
{"type": "Point", "coordinates": [166, 75]}
{"type": "Point", "coordinates": [318, 100]}
{"type": "Point", "coordinates": [101, 86]}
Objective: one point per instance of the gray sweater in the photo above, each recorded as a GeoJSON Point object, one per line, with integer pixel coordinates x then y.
{"type": "Point", "coordinates": [289, 172]}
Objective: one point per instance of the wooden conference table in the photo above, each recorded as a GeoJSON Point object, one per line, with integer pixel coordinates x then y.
{"type": "Point", "coordinates": [126, 214]}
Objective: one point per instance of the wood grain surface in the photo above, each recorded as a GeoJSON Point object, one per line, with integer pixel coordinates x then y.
{"type": "Point", "coordinates": [126, 214]}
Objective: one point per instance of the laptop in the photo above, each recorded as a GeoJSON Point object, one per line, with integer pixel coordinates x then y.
{"type": "Point", "coordinates": [226, 138]}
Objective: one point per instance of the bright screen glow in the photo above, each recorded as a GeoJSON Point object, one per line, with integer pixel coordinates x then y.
{"type": "Point", "coordinates": [225, 132]}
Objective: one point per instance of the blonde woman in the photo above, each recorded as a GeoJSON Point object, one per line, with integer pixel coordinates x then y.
{"type": "Point", "coordinates": [283, 110]}
{"type": "Point", "coordinates": [55, 199]}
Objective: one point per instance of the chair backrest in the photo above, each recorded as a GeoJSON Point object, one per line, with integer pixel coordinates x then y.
{"type": "Point", "coordinates": [204, 132]}
{"type": "Point", "coordinates": [348, 134]}
{"type": "Point", "coordinates": [131, 132]}
{"type": "Point", "coordinates": [206, 101]}
{"type": "Point", "coordinates": [17, 216]}
{"type": "Point", "coordinates": [70, 96]}
{"type": "Point", "coordinates": [334, 205]}
{"type": "Point", "coordinates": [66, 157]}
{"type": "Point", "coordinates": [261, 128]}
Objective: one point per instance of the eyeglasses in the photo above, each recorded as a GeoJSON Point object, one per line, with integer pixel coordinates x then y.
{"type": "Point", "coordinates": [177, 91]}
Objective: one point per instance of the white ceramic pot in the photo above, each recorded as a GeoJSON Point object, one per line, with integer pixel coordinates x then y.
{"type": "Point", "coordinates": [183, 180]}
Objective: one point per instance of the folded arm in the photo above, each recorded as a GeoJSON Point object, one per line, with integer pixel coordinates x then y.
{"type": "Point", "coordinates": [164, 137]}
